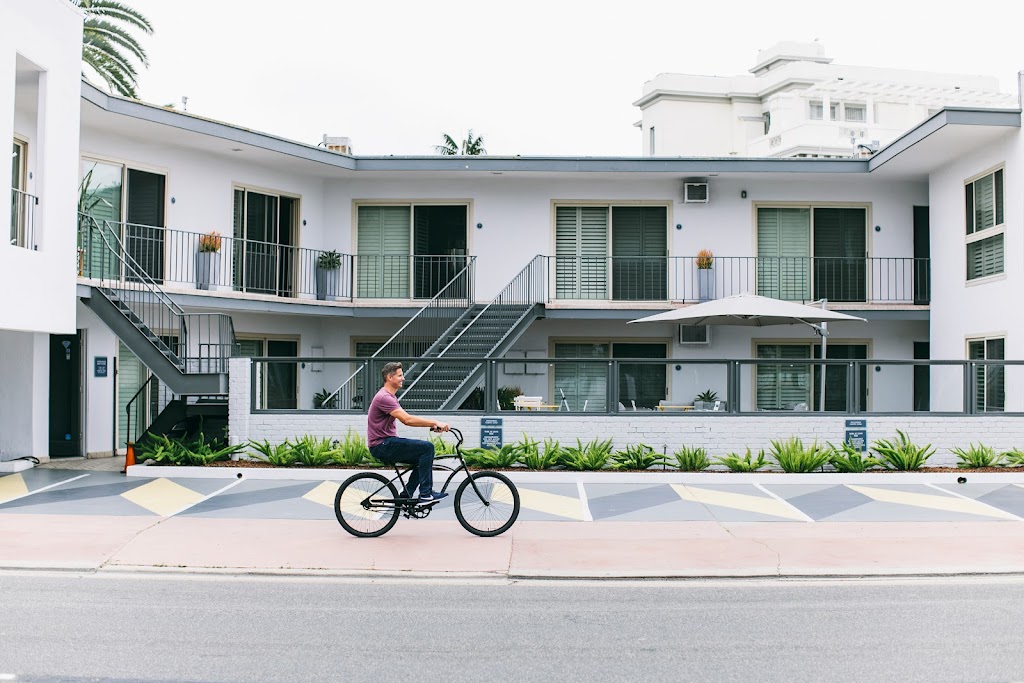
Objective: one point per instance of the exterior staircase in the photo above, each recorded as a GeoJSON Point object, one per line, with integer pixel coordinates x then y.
{"type": "Point", "coordinates": [187, 352]}
{"type": "Point", "coordinates": [452, 327]}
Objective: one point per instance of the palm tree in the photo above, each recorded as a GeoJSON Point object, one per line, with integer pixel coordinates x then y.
{"type": "Point", "coordinates": [107, 47]}
{"type": "Point", "coordinates": [471, 146]}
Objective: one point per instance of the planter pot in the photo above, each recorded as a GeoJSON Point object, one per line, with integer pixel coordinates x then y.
{"type": "Point", "coordinates": [705, 284]}
{"type": "Point", "coordinates": [207, 270]}
{"type": "Point", "coordinates": [327, 282]}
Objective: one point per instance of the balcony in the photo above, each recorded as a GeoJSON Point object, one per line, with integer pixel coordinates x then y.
{"type": "Point", "coordinates": [174, 260]}
{"type": "Point", "coordinates": [882, 280]}
{"type": "Point", "coordinates": [23, 219]}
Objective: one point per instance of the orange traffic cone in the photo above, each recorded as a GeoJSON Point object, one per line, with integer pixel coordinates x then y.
{"type": "Point", "coordinates": [129, 458]}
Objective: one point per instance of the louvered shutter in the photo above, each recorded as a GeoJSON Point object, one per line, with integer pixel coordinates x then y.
{"type": "Point", "coordinates": [976, 351]}
{"type": "Point", "coordinates": [144, 232]}
{"type": "Point", "coordinates": [584, 384]}
{"type": "Point", "coordinates": [779, 386]}
{"type": "Point", "coordinates": [253, 348]}
{"type": "Point", "coordinates": [839, 249]}
{"type": "Point", "coordinates": [783, 249]}
{"type": "Point", "coordinates": [383, 251]}
{"type": "Point", "coordinates": [994, 376]}
{"type": "Point", "coordinates": [581, 252]}
{"type": "Point", "coordinates": [985, 257]}
{"type": "Point", "coordinates": [425, 269]}
{"type": "Point", "coordinates": [131, 374]}
{"type": "Point", "coordinates": [984, 203]}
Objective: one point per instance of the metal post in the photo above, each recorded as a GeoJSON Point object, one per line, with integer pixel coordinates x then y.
{"type": "Point", "coordinates": [823, 330]}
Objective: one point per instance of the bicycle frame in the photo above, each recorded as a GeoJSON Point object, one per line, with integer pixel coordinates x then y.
{"type": "Point", "coordinates": [411, 502]}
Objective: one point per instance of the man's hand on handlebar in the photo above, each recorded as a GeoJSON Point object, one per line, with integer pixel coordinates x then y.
{"type": "Point", "coordinates": [440, 427]}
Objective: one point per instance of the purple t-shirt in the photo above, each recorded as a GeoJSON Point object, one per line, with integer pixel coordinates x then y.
{"type": "Point", "coordinates": [380, 424]}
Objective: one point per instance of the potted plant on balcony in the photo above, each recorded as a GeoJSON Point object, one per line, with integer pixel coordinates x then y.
{"type": "Point", "coordinates": [705, 400]}
{"type": "Point", "coordinates": [705, 275]}
{"type": "Point", "coordinates": [208, 261]}
{"type": "Point", "coordinates": [328, 271]}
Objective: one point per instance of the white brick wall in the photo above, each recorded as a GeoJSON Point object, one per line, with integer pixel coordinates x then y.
{"type": "Point", "coordinates": [720, 434]}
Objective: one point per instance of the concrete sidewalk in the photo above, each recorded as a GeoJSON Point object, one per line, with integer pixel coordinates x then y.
{"type": "Point", "coordinates": [530, 549]}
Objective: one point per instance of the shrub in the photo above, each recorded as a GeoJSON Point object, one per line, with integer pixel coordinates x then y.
{"type": "Point", "coordinates": [707, 396]}
{"type": "Point", "coordinates": [846, 458]}
{"type": "Point", "coordinates": [351, 450]}
{"type": "Point", "coordinates": [166, 451]}
{"type": "Point", "coordinates": [332, 402]}
{"type": "Point", "coordinates": [536, 458]}
{"type": "Point", "coordinates": [745, 464]}
{"type": "Point", "coordinates": [587, 457]}
{"type": "Point", "coordinates": [977, 456]}
{"type": "Point", "coordinates": [313, 452]}
{"type": "Point", "coordinates": [692, 459]}
{"type": "Point", "coordinates": [279, 455]}
{"type": "Point", "coordinates": [792, 456]}
{"type": "Point", "coordinates": [442, 447]}
{"type": "Point", "coordinates": [901, 454]}
{"type": "Point", "coordinates": [489, 458]}
{"type": "Point", "coordinates": [1014, 457]}
{"type": "Point", "coordinates": [636, 457]}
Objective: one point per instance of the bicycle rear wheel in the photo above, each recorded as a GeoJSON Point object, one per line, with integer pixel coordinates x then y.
{"type": "Point", "coordinates": [491, 511]}
{"type": "Point", "coordinates": [357, 514]}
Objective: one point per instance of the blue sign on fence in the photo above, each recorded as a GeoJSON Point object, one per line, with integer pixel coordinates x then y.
{"type": "Point", "coordinates": [857, 434]}
{"type": "Point", "coordinates": [491, 432]}
{"type": "Point", "coordinates": [856, 424]}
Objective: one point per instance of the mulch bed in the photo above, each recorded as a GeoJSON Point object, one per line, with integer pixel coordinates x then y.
{"type": "Point", "coordinates": [924, 470]}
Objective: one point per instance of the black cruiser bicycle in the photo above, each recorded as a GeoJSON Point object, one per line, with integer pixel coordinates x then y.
{"type": "Point", "coordinates": [486, 503]}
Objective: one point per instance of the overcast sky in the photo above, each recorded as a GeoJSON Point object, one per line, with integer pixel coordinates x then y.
{"type": "Point", "coordinates": [534, 77]}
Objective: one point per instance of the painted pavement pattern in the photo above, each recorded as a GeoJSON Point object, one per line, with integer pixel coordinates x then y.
{"type": "Point", "coordinates": [64, 492]}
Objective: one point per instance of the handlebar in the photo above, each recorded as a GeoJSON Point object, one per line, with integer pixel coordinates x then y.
{"type": "Point", "coordinates": [456, 432]}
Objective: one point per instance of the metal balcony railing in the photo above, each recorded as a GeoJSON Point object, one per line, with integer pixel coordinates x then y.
{"type": "Point", "coordinates": [195, 343]}
{"type": "Point", "coordinates": [875, 280]}
{"type": "Point", "coordinates": [23, 219]}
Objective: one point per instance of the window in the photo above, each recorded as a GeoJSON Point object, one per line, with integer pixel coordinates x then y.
{"type": "Point", "coordinates": [855, 112]}
{"type": "Point", "coordinates": [817, 111]}
{"type": "Point", "coordinates": [651, 133]}
{"type": "Point", "coordinates": [585, 384]}
{"type": "Point", "coordinates": [767, 122]}
{"type": "Point", "coordinates": [264, 234]}
{"type": "Point", "coordinates": [22, 204]}
{"type": "Point", "coordinates": [984, 223]}
{"type": "Point", "coordinates": [785, 387]}
{"type": "Point", "coordinates": [989, 384]}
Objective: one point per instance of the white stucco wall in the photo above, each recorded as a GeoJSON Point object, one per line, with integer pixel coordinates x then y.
{"type": "Point", "coordinates": [40, 53]}
{"type": "Point", "coordinates": [981, 308]}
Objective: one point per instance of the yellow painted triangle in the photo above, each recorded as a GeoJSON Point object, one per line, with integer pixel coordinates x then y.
{"type": "Point", "coordinates": [738, 501]}
{"type": "Point", "coordinates": [12, 486]}
{"type": "Point", "coordinates": [162, 496]}
{"type": "Point", "coordinates": [351, 500]}
{"type": "Point", "coordinates": [553, 504]}
{"type": "Point", "coordinates": [323, 493]}
{"type": "Point", "coordinates": [933, 502]}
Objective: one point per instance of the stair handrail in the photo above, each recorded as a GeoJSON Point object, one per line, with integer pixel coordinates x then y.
{"type": "Point", "coordinates": [523, 276]}
{"type": "Point", "coordinates": [467, 269]}
{"type": "Point", "coordinates": [129, 261]}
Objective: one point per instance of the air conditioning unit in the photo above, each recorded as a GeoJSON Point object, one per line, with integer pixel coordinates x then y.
{"type": "Point", "coordinates": [690, 335]}
{"type": "Point", "coordinates": [695, 193]}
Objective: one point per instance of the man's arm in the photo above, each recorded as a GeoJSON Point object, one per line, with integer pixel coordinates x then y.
{"type": "Point", "coordinates": [414, 421]}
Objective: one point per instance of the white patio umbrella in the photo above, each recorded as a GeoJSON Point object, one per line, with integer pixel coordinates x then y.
{"type": "Point", "coordinates": [752, 310]}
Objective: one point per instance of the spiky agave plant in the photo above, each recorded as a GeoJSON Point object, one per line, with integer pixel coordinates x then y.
{"type": "Point", "coordinates": [107, 46]}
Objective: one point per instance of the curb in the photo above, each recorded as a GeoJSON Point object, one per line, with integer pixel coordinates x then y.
{"type": "Point", "coordinates": [563, 477]}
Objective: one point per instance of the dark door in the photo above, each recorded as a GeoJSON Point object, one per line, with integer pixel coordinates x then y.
{"type": "Point", "coordinates": [282, 378]}
{"type": "Point", "coordinates": [922, 254]}
{"type": "Point", "coordinates": [286, 247]}
{"type": "Point", "coordinates": [922, 377]}
{"type": "Point", "coordinates": [65, 394]}
{"type": "Point", "coordinates": [840, 237]}
{"type": "Point", "coordinates": [641, 383]}
{"type": "Point", "coordinates": [144, 232]}
{"type": "Point", "coordinates": [836, 377]}
{"type": "Point", "coordinates": [639, 251]}
{"type": "Point", "coordinates": [439, 249]}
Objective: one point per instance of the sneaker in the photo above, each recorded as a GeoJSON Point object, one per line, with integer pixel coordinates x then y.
{"type": "Point", "coordinates": [432, 497]}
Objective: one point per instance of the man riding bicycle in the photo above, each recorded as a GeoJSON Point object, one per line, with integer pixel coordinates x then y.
{"type": "Point", "coordinates": [389, 448]}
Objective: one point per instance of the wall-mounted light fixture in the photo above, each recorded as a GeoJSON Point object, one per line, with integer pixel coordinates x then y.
{"type": "Point", "coordinates": [878, 228]}
{"type": "Point", "coordinates": [303, 221]}
{"type": "Point", "coordinates": [479, 226]}
{"type": "Point", "coordinates": [743, 194]}
{"type": "Point", "coordinates": [172, 200]}
{"type": "Point", "coordinates": [679, 226]}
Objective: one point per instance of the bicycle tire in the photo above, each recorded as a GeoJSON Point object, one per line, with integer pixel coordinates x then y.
{"type": "Point", "coordinates": [496, 512]}
{"type": "Point", "coordinates": [353, 516]}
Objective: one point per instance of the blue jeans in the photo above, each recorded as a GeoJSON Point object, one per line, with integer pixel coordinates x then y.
{"type": "Point", "coordinates": [420, 454]}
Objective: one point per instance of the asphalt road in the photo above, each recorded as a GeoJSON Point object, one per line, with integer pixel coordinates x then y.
{"type": "Point", "coordinates": [121, 627]}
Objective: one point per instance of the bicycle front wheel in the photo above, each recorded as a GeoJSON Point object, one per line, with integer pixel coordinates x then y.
{"type": "Point", "coordinates": [356, 510]}
{"type": "Point", "coordinates": [487, 503]}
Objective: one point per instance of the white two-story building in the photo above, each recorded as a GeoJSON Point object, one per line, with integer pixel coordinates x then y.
{"type": "Point", "coordinates": [199, 241]}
